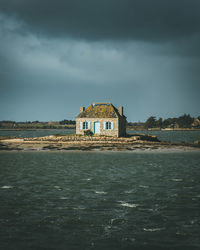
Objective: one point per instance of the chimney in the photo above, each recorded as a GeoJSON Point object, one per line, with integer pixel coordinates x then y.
{"type": "Point", "coordinates": [82, 109]}
{"type": "Point", "coordinates": [120, 110]}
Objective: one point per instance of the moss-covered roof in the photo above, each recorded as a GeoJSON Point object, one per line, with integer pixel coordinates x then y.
{"type": "Point", "coordinates": [100, 110]}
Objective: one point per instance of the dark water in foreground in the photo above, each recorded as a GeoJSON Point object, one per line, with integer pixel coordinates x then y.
{"type": "Point", "coordinates": [73, 200]}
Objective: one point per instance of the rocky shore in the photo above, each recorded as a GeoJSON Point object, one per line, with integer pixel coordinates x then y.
{"type": "Point", "coordinates": [92, 143]}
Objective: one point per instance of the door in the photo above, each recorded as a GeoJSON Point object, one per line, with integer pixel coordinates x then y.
{"type": "Point", "coordinates": [97, 127]}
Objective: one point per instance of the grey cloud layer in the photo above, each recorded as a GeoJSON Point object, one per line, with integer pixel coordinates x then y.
{"type": "Point", "coordinates": [58, 55]}
{"type": "Point", "coordinates": [108, 19]}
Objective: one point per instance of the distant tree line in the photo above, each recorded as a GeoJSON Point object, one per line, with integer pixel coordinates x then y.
{"type": "Point", "coordinates": [63, 122]}
{"type": "Point", "coordinates": [184, 121]}
{"type": "Point", "coordinates": [7, 124]}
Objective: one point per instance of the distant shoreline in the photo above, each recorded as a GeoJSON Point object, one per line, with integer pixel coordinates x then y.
{"type": "Point", "coordinates": [164, 129]}
{"type": "Point", "coordinates": [35, 129]}
{"type": "Point", "coordinates": [73, 128]}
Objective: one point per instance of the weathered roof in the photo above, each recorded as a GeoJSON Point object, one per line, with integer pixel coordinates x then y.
{"type": "Point", "coordinates": [100, 110]}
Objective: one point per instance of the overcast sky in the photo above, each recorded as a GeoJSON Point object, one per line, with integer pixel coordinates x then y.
{"type": "Point", "coordinates": [58, 55]}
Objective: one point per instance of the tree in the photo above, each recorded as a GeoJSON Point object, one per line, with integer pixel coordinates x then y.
{"type": "Point", "coordinates": [185, 121]}
{"type": "Point", "coordinates": [169, 122]}
{"type": "Point", "coordinates": [150, 122]}
{"type": "Point", "coordinates": [159, 122]}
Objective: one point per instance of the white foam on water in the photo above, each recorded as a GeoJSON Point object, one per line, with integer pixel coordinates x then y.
{"type": "Point", "coordinates": [147, 209]}
{"type": "Point", "coordinates": [126, 204]}
{"type": "Point", "coordinates": [88, 179]}
{"type": "Point", "coordinates": [129, 191]}
{"type": "Point", "coordinates": [194, 221]}
{"type": "Point", "coordinates": [79, 208]}
{"type": "Point", "coordinates": [112, 220]}
{"type": "Point", "coordinates": [115, 221]}
{"type": "Point", "coordinates": [174, 195]}
{"type": "Point", "coordinates": [6, 187]}
{"type": "Point", "coordinates": [100, 192]}
{"type": "Point", "coordinates": [57, 187]}
{"type": "Point", "coordinates": [180, 233]}
{"type": "Point", "coordinates": [63, 198]}
{"type": "Point", "coordinates": [153, 229]}
{"type": "Point", "coordinates": [142, 186]}
{"type": "Point", "coordinates": [176, 179]}
{"type": "Point", "coordinates": [107, 229]}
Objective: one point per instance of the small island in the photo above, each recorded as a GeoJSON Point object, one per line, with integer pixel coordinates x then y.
{"type": "Point", "coordinates": [133, 142]}
{"type": "Point", "coordinates": [99, 127]}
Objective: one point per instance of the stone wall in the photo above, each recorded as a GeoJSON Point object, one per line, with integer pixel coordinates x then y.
{"type": "Point", "coordinates": [108, 132]}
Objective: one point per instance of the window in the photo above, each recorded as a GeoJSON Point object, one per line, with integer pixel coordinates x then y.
{"type": "Point", "coordinates": [108, 125]}
{"type": "Point", "coordinates": [85, 125]}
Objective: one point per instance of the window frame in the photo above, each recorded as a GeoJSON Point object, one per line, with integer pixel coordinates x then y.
{"type": "Point", "coordinates": [85, 125]}
{"type": "Point", "coordinates": [108, 126]}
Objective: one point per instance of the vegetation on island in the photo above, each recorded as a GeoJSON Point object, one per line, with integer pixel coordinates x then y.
{"type": "Point", "coordinates": [88, 133]}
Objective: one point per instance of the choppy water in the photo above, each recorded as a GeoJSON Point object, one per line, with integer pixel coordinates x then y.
{"type": "Point", "coordinates": [73, 200]}
{"type": "Point", "coordinates": [35, 133]}
{"type": "Point", "coordinates": [173, 136]}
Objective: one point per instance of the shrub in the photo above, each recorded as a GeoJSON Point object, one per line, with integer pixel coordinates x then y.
{"type": "Point", "coordinates": [88, 133]}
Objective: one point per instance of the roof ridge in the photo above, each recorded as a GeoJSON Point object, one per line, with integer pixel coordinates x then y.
{"type": "Point", "coordinates": [101, 110]}
{"type": "Point", "coordinates": [103, 103]}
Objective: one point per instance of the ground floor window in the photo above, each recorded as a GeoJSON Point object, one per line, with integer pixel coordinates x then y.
{"type": "Point", "coordinates": [108, 125]}
{"type": "Point", "coordinates": [85, 125]}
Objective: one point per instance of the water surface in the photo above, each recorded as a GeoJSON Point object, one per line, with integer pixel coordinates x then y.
{"type": "Point", "coordinates": [80, 200]}
{"type": "Point", "coordinates": [36, 133]}
{"type": "Point", "coordinates": [173, 136]}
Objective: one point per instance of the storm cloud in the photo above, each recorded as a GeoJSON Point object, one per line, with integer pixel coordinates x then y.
{"type": "Point", "coordinates": [59, 55]}
{"type": "Point", "coordinates": [108, 19]}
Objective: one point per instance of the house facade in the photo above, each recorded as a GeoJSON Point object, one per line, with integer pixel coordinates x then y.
{"type": "Point", "coordinates": [101, 119]}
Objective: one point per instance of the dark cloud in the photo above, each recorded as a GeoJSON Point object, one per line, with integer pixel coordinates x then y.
{"type": "Point", "coordinates": [59, 55]}
{"type": "Point", "coordinates": [108, 19]}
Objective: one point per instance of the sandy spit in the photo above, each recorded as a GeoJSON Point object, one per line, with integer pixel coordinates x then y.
{"type": "Point", "coordinates": [21, 144]}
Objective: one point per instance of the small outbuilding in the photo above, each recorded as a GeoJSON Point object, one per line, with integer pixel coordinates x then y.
{"type": "Point", "coordinates": [101, 119]}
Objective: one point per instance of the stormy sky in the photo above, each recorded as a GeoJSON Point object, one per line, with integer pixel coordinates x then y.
{"type": "Point", "coordinates": [58, 55]}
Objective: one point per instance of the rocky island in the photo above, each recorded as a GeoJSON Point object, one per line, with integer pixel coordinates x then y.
{"type": "Point", "coordinates": [132, 142]}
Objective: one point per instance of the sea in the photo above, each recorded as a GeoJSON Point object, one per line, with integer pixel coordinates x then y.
{"type": "Point", "coordinates": [77, 200]}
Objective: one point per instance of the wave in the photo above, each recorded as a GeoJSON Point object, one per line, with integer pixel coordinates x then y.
{"type": "Point", "coordinates": [142, 186]}
{"type": "Point", "coordinates": [153, 229]}
{"type": "Point", "coordinates": [126, 204]}
{"type": "Point", "coordinates": [63, 198]}
{"type": "Point", "coordinates": [6, 187]}
{"type": "Point", "coordinates": [100, 192]}
{"type": "Point", "coordinates": [57, 187]}
{"type": "Point", "coordinates": [177, 179]}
